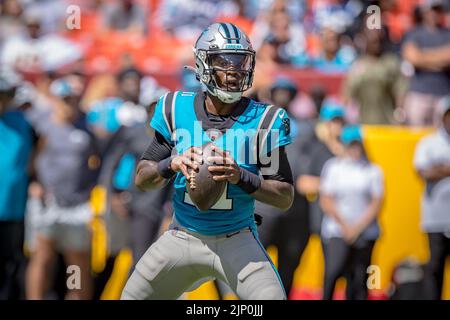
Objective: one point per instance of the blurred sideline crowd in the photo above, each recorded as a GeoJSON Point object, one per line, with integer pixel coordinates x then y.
{"type": "Point", "coordinates": [75, 105]}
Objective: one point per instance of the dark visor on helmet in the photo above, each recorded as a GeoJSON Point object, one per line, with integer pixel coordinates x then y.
{"type": "Point", "coordinates": [231, 71]}
{"type": "Point", "coordinates": [225, 61]}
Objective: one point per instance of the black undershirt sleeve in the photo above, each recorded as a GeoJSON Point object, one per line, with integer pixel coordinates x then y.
{"type": "Point", "coordinates": [158, 149]}
{"type": "Point", "coordinates": [284, 172]}
{"type": "Point", "coordinates": [250, 182]}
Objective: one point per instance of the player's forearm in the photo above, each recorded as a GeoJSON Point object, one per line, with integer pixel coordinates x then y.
{"type": "Point", "coordinates": [276, 193]}
{"type": "Point", "coordinates": [147, 176]}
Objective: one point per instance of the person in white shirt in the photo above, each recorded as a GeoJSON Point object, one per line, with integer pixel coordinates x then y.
{"type": "Point", "coordinates": [432, 162]}
{"type": "Point", "coordinates": [351, 195]}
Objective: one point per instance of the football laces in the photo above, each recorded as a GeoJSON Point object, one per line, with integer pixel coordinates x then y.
{"type": "Point", "coordinates": [192, 184]}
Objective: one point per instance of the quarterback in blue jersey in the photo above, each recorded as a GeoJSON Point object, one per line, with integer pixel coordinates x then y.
{"type": "Point", "coordinates": [249, 138]}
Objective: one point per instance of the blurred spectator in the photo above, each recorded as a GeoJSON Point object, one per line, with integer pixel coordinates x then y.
{"type": "Point", "coordinates": [341, 13]}
{"type": "Point", "coordinates": [375, 82]}
{"type": "Point", "coordinates": [16, 145]}
{"type": "Point", "coordinates": [10, 19]}
{"type": "Point", "coordinates": [66, 171]}
{"type": "Point", "coordinates": [133, 218]}
{"type": "Point", "coordinates": [306, 140]}
{"type": "Point", "coordinates": [324, 147]}
{"type": "Point", "coordinates": [52, 13]}
{"type": "Point", "coordinates": [29, 97]}
{"type": "Point", "coordinates": [336, 57]}
{"type": "Point", "coordinates": [427, 48]}
{"type": "Point", "coordinates": [288, 231]}
{"type": "Point", "coordinates": [307, 104]}
{"type": "Point", "coordinates": [432, 161]}
{"type": "Point", "coordinates": [295, 8]}
{"type": "Point", "coordinates": [285, 41]}
{"type": "Point", "coordinates": [146, 210]}
{"type": "Point", "coordinates": [186, 19]}
{"type": "Point", "coordinates": [36, 52]}
{"type": "Point", "coordinates": [125, 15]}
{"type": "Point", "coordinates": [283, 92]}
{"type": "Point", "coordinates": [129, 81]}
{"type": "Point", "coordinates": [21, 50]}
{"type": "Point", "coordinates": [104, 122]}
{"type": "Point", "coordinates": [108, 113]}
{"type": "Point", "coordinates": [351, 195]}
{"type": "Point", "coordinates": [106, 119]}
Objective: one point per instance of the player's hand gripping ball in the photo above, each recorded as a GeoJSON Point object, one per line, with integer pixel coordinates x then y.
{"type": "Point", "coordinates": [206, 185]}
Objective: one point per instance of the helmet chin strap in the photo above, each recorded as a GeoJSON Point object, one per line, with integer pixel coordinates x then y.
{"type": "Point", "coordinates": [225, 96]}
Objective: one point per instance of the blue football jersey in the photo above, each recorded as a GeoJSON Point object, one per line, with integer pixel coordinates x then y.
{"type": "Point", "coordinates": [182, 119]}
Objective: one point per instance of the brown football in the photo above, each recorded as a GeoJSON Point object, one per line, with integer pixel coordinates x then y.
{"type": "Point", "coordinates": [202, 189]}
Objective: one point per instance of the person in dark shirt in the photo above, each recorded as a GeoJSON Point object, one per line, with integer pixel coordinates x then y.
{"type": "Point", "coordinates": [143, 211]}
{"type": "Point", "coordinates": [427, 48]}
{"type": "Point", "coordinates": [288, 231]}
{"type": "Point", "coordinates": [132, 217]}
{"type": "Point", "coordinates": [325, 146]}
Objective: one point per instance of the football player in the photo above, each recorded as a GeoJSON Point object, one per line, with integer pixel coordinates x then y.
{"type": "Point", "coordinates": [220, 242]}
